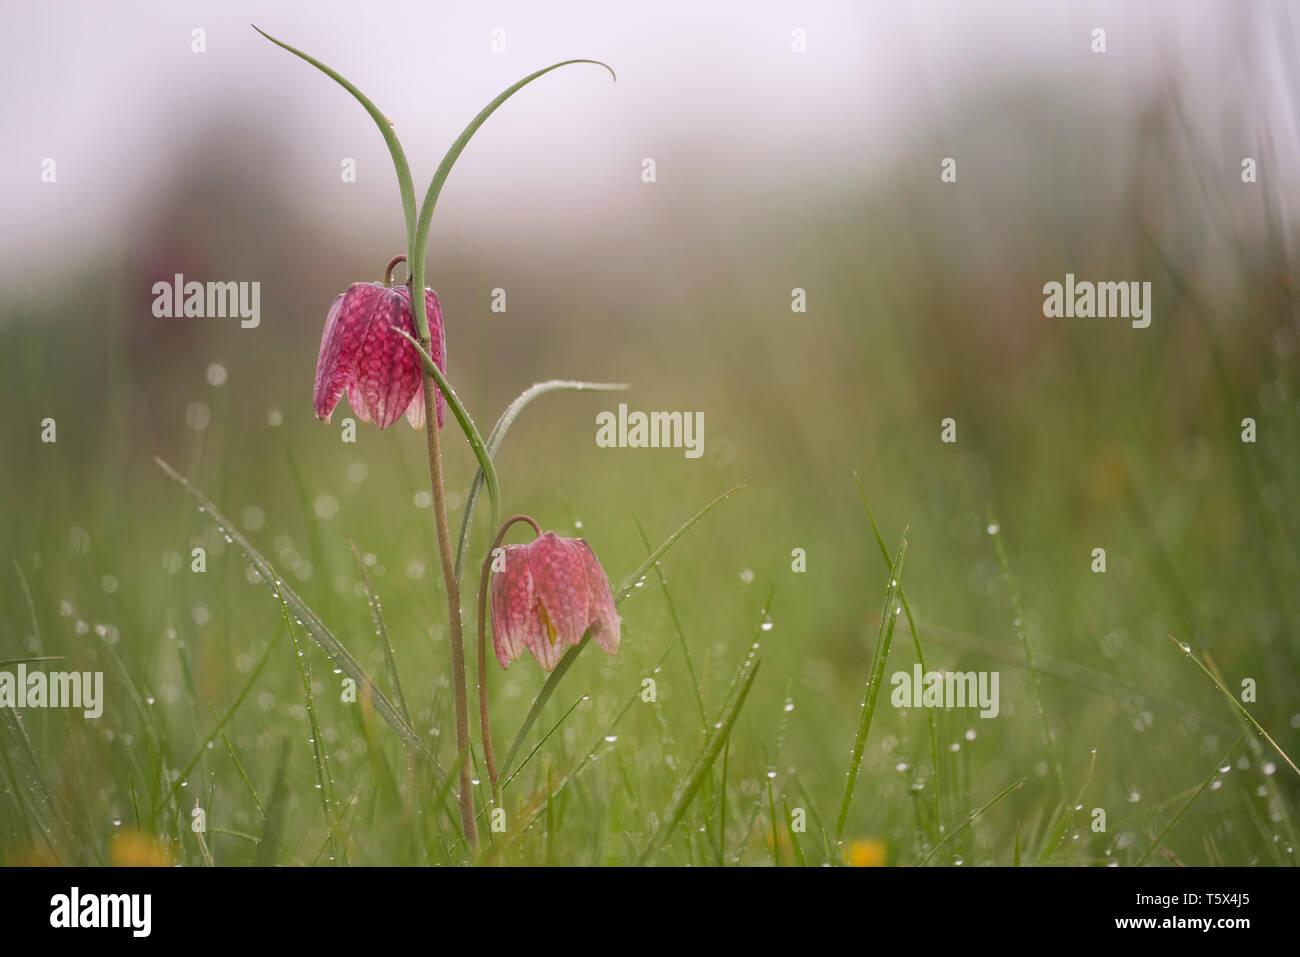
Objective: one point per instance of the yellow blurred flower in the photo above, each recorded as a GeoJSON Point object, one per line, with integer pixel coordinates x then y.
{"type": "Point", "coordinates": [135, 849]}
{"type": "Point", "coordinates": [865, 852]}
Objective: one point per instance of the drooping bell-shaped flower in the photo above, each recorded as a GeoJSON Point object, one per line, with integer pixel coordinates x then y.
{"type": "Point", "coordinates": [362, 354]}
{"type": "Point", "coordinates": [545, 595]}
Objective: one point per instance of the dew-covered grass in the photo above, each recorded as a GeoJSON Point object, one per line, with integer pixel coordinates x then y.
{"type": "Point", "coordinates": [747, 718]}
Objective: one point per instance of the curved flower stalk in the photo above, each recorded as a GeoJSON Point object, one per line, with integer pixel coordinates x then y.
{"type": "Point", "coordinates": [363, 354]}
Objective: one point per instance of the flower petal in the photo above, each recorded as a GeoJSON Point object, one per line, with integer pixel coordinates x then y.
{"type": "Point", "coordinates": [515, 624]}
{"type": "Point", "coordinates": [437, 340]}
{"type": "Point", "coordinates": [340, 342]}
{"type": "Point", "coordinates": [560, 578]}
{"type": "Point", "coordinates": [358, 402]}
{"type": "Point", "coordinates": [604, 620]}
{"type": "Point", "coordinates": [388, 369]}
{"type": "Point", "coordinates": [415, 411]}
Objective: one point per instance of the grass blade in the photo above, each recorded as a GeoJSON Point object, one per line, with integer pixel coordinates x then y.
{"type": "Point", "coordinates": [1237, 704]}
{"type": "Point", "coordinates": [677, 626]}
{"type": "Point", "coordinates": [920, 658]}
{"type": "Point", "coordinates": [537, 747]}
{"type": "Point", "coordinates": [324, 779]}
{"type": "Point", "coordinates": [799, 859]}
{"type": "Point", "coordinates": [970, 818]}
{"type": "Point", "coordinates": [382, 630]}
{"type": "Point", "coordinates": [1058, 831]}
{"type": "Point", "coordinates": [884, 638]}
{"type": "Point", "coordinates": [1188, 803]}
{"type": "Point", "coordinates": [230, 712]}
{"type": "Point", "coordinates": [310, 621]}
{"type": "Point", "coordinates": [629, 583]}
{"type": "Point", "coordinates": [239, 766]}
{"type": "Point", "coordinates": [687, 790]}
{"type": "Point", "coordinates": [1029, 654]}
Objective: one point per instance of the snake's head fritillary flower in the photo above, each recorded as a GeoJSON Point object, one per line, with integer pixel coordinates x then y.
{"type": "Point", "coordinates": [362, 354]}
{"type": "Point", "coordinates": [545, 595]}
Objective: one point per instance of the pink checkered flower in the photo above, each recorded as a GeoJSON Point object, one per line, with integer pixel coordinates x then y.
{"type": "Point", "coordinates": [545, 596]}
{"type": "Point", "coordinates": [362, 354]}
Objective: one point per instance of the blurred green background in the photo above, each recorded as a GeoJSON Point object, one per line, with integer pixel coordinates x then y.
{"type": "Point", "coordinates": [924, 302]}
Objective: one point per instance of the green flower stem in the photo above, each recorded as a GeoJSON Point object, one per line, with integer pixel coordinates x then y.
{"type": "Point", "coordinates": [453, 600]}
{"type": "Point", "coordinates": [460, 697]}
{"type": "Point", "coordinates": [433, 380]}
{"type": "Point", "coordinates": [484, 724]}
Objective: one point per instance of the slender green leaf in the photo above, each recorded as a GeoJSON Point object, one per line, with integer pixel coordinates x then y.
{"type": "Point", "coordinates": [404, 183]}
{"type": "Point", "coordinates": [497, 436]}
{"type": "Point", "coordinates": [1014, 595]}
{"type": "Point", "coordinates": [1067, 812]}
{"type": "Point", "coordinates": [970, 818]}
{"type": "Point", "coordinates": [457, 147]}
{"type": "Point", "coordinates": [884, 638]}
{"type": "Point", "coordinates": [1174, 820]}
{"type": "Point", "coordinates": [643, 569]}
{"type": "Point", "coordinates": [690, 785]}
{"type": "Point", "coordinates": [324, 779]}
{"type": "Point", "coordinates": [794, 837]}
{"type": "Point", "coordinates": [1236, 704]}
{"type": "Point", "coordinates": [677, 626]}
{"type": "Point", "coordinates": [920, 658]}
{"type": "Point", "coordinates": [537, 747]}
{"type": "Point", "coordinates": [418, 240]}
{"type": "Point", "coordinates": [239, 765]}
{"type": "Point", "coordinates": [382, 629]}
{"type": "Point", "coordinates": [180, 780]}
{"type": "Point", "coordinates": [466, 423]}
